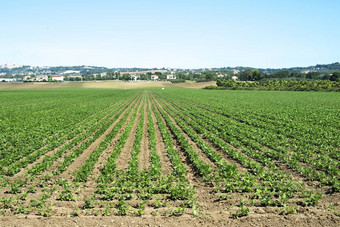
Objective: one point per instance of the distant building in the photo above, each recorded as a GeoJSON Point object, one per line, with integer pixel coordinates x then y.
{"type": "Point", "coordinates": [135, 77]}
{"type": "Point", "coordinates": [234, 78]}
{"type": "Point", "coordinates": [71, 72]}
{"type": "Point", "coordinates": [75, 78]}
{"type": "Point", "coordinates": [41, 78]}
{"type": "Point", "coordinates": [57, 78]}
{"type": "Point", "coordinates": [27, 78]}
{"type": "Point", "coordinates": [6, 80]}
{"type": "Point", "coordinates": [154, 77]}
{"type": "Point", "coordinates": [220, 75]}
{"type": "Point", "coordinates": [171, 77]}
{"type": "Point", "coordinates": [10, 66]}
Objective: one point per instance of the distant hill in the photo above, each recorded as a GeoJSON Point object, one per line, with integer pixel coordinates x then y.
{"type": "Point", "coordinates": [316, 68]}
{"type": "Point", "coordinates": [83, 69]}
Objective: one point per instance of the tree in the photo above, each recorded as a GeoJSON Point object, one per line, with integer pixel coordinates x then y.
{"type": "Point", "coordinates": [126, 77]}
{"type": "Point", "coordinates": [335, 76]}
{"type": "Point", "coordinates": [245, 74]}
{"type": "Point", "coordinates": [282, 74]}
{"type": "Point", "coordinates": [209, 76]}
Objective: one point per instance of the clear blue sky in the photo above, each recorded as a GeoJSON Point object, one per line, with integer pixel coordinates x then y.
{"type": "Point", "coordinates": [182, 34]}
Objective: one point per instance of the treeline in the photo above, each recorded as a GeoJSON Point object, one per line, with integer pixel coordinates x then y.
{"type": "Point", "coordinates": [256, 75]}
{"type": "Point", "coordinates": [278, 85]}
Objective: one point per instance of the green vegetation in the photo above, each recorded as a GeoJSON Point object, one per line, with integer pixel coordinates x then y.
{"type": "Point", "coordinates": [280, 85]}
{"type": "Point", "coordinates": [82, 150]}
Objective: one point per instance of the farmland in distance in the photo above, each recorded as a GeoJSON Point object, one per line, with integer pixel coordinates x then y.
{"type": "Point", "coordinates": [210, 157]}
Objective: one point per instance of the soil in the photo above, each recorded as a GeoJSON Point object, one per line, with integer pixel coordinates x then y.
{"type": "Point", "coordinates": [103, 84]}
{"type": "Point", "coordinates": [211, 210]}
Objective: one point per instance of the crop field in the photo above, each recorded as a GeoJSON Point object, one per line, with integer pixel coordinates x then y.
{"type": "Point", "coordinates": [210, 156]}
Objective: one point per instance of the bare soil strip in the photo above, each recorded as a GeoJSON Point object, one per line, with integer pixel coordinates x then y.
{"type": "Point", "coordinates": [55, 134]}
{"type": "Point", "coordinates": [60, 160]}
{"type": "Point", "coordinates": [65, 207]}
{"type": "Point", "coordinates": [226, 158]}
{"type": "Point", "coordinates": [185, 220]}
{"type": "Point", "coordinates": [51, 152]}
{"type": "Point", "coordinates": [160, 146]}
{"type": "Point", "coordinates": [206, 197]}
{"type": "Point", "coordinates": [87, 152]}
{"type": "Point", "coordinates": [304, 164]}
{"type": "Point", "coordinates": [201, 154]}
{"type": "Point", "coordinates": [144, 156]}
{"type": "Point", "coordinates": [297, 177]}
{"type": "Point", "coordinates": [124, 158]}
{"type": "Point", "coordinates": [90, 185]}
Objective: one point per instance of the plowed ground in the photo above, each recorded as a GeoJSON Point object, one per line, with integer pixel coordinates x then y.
{"type": "Point", "coordinates": [152, 170]}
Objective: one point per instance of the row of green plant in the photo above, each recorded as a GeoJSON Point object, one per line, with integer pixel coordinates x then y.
{"type": "Point", "coordinates": [31, 119]}
{"type": "Point", "coordinates": [50, 146]}
{"type": "Point", "coordinates": [86, 169]}
{"type": "Point", "coordinates": [240, 136]}
{"type": "Point", "coordinates": [279, 183]}
{"type": "Point", "coordinates": [78, 145]}
{"type": "Point", "coordinates": [281, 85]}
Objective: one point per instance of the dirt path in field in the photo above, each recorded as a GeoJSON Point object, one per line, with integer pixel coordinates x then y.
{"type": "Point", "coordinates": [160, 146]}
{"type": "Point", "coordinates": [291, 174]}
{"type": "Point", "coordinates": [59, 161]}
{"type": "Point", "coordinates": [80, 160]}
{"type": "Point", "coordinates": [262, 119]}
{"type": "Point", "coordinates": [55, 134]}
{"type": "Point", "coordinates": [51, 152]}
{"type": "Point", "coordinates": [242, 168]}
{"type": "Point", "coordinates": [205, 194]}
{"type": "Point", "coordinates": [144, 156]}
{"type": "Point", "coordinates": [91, 183]}
{"type": "Point", "coordinates": [201, 154]}
{"type": "Point", "coordinates": [185, 220]}
{"type": "Point", "coordinates": [227, 143]}
{"type": "Point", "coordinates": [124, 158]}
{"type": "Point", "coordinates": [66, 207]}
{"type": "Point", "coordinates": [225, 156]}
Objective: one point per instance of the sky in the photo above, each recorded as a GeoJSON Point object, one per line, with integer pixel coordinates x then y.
{"type": "Point", "coordinates": [174, 33]}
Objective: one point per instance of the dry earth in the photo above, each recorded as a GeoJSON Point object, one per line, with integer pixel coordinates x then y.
{"type": "Point", "coordinates": [217, 212]}
{"type": "Point", "coordinates": [102, 84]}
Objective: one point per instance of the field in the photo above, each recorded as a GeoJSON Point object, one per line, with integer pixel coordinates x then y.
{"type": "Point", "coordinates": [101, 84]}
{"type": "Point", "coordinates": [176, 156]}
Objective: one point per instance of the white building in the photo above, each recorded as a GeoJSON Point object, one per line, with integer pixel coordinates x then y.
{"type": "Point", "coordinates": [220, 75]}
{"type": "Point", "coordinates": [75, 77]}
{"type": "Point", "coordinates": [135, 77]}
{"type": "Point", "coordinates": [41, 78]}
{"type": "Point", "coordinates": [27, 78]}
{"type": "Point", "coordinates": [154, 77]}
{"type": "Point", "coordinates": [6, 80]}
{"type": "Point", "coordinates": [234, 78]}
{"type": "Point", "coordinates": [71, 72]}
{"type": "Point", "coordinates": [171, 77]}
{"type": "Point", "coordinates": [57, 78]}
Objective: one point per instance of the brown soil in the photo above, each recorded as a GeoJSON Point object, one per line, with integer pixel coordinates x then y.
{"type": "Point", "coordinates": [202, 156]}
{"type": "Point", "coordinates": [211, 211]}
{"type": "Point", "coordinates": [103, 84]}
{"type": "Point", "coordinates": [123, 159]}
{"type": "Point", "coordinates": [160, 146]}
{"type": "Point", "coordinates": [185, 220]}
{"type": "Point", "coordinates": [87, 152]}
{"type": "Point", "coordinates": [144, 157]}
{"type": "Point", "coordinates": [225, 156]}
